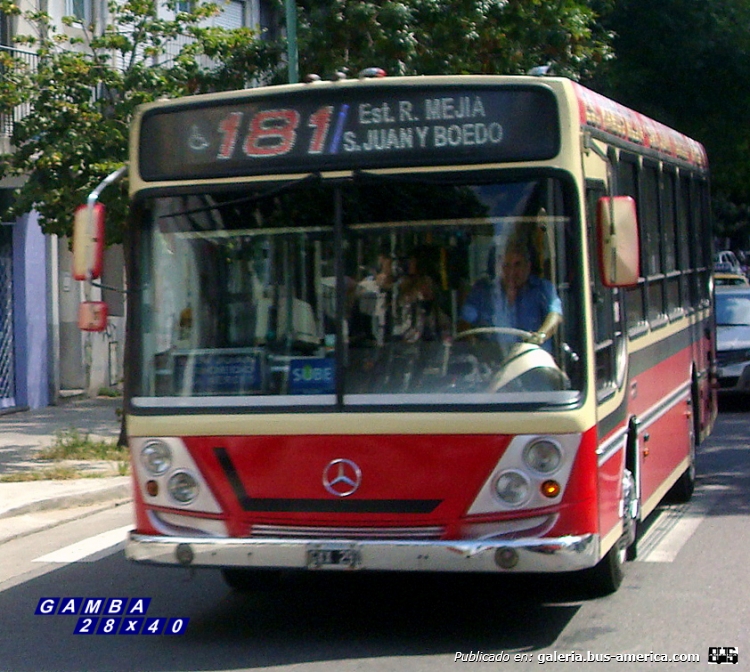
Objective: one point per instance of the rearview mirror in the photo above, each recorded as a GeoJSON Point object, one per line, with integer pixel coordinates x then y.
{"type": "Point", "coordinates": [88, 242]}
{"type": "Point", "coordinates": [619, 246]}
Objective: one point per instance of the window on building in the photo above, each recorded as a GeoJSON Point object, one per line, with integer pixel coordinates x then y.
{"type": "Point", "coordinates": [232, 15]}
{"type": "Point", "coordinates": [4, 30]}
{"type": "Point", "coordinates": [80, 9]}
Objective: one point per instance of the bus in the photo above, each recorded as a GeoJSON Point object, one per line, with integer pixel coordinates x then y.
{"type": "Point", "coordinates": [305, 388]}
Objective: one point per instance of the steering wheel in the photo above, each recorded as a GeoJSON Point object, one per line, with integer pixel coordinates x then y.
{"type": "Point", "coordinates": [510, 331]}
{"type": "Point", "coordinates": [505, 348]}
{"type": "Point", "coordinates": [538, 356]}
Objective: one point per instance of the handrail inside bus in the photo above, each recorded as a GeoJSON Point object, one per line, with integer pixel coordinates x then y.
{"type": "Point", "coordinates": [240, 233]}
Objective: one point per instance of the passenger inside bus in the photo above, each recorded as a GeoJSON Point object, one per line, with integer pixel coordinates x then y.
{"type": "Point", "coordinates": [511, 296]}
{"type": "Point", "coordinates": [400, 305]}
{"type": "Point", "coordinates": [419, 305]}
{"type": "Point", "coordinates": [369, 302]}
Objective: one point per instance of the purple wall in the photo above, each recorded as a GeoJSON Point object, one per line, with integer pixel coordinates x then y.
{"type": "Point", "coordinates": [30, 313]}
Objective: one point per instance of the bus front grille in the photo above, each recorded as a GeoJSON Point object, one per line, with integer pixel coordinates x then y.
{"type": "Point", "coordinates": [297, 532]}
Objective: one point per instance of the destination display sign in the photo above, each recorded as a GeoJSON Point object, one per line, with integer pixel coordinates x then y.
{"type": "Point", "coordinates": [348, 128]}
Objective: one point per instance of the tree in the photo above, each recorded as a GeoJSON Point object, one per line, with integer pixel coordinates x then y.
{"type": "Point", "coordinates": [685, 63]}
{"type": "Point", "coordinates": [428, 37]}
{"type": "Point", "coordinates": [83, 93]}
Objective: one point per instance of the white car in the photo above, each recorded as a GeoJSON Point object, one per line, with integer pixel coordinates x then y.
{"type": "Point", "coordinates": [726, 262]}
{"type": "Point", "coordinates": [733, 338]}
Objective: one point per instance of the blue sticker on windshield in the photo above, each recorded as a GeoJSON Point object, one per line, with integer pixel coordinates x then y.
{"type": "Point", "coordinates": [312, 375]}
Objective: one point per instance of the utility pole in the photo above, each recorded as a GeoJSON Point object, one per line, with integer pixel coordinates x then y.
{"type": "Point", "coordinates": [291, 39]}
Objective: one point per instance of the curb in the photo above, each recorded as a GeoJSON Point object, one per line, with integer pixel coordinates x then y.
{"type": "Point", "coordinates": [70, 501]}
{"type": "Point", "coordinates": [119, 490]}
{"type": "Point", "coordinates": [26, 524]}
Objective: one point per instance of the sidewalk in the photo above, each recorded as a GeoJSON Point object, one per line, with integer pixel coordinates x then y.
{"type": "Point", "coordinates": [23, 505]}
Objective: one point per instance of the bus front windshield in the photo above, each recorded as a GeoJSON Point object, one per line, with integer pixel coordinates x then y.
{"type": "Point", "coordinates": [373, 292]}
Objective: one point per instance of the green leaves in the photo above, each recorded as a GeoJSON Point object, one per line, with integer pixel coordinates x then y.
{"type": "Point", "coordinates": [685, 62]}
{"type": "Point", "coordinates": [83, 100]}
{"type": "Point", "coordinates": [422, 37]}
{"type": "Point", "coordinates": [86, 88]}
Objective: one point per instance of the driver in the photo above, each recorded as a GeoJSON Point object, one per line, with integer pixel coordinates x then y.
{"type": "Point", "coordinates": [515, 298]}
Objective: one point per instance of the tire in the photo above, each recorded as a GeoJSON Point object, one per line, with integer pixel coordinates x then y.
{"type": "Point", "coordinates": [682, 491]}
{"type": "Point", "coordinates": [606, 576]}
{"type": "Point", "coordinates": [631, 553]}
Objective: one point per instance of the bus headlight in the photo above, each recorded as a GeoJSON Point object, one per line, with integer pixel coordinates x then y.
{"type": "Point", "coordinates": [182, 487]}
{"type": "Point", "coordinates": [156, 457]}
{"type": "Point", "coordinates": [512, 488]}
{"type": "Point", "coordinates": [532, 472]}
{"type": "Point", "coordinates": [543, 456]}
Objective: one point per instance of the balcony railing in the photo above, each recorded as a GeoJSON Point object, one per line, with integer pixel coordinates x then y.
{"type": "Point", "coordinates": [30, 59]}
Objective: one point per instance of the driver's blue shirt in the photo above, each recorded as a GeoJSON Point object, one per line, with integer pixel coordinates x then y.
{"type": "Point", "coordinates": [487, 306]}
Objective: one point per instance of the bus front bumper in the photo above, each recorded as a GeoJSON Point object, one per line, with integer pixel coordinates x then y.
{"type": "Point", "coordinates": [535, 555]}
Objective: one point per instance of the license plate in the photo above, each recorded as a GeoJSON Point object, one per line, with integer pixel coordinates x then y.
{"type": "Point", "coordinates": [333, 557]}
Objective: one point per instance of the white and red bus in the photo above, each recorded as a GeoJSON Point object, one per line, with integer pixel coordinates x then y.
{"type": "Point", "coordinates": [302, 392]}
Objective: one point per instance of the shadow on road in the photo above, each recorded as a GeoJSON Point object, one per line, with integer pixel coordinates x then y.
{"type": "Point", "coordinates": [370, 621]}
{"type": "Point", "coordinates": [723, 461]}
{"type": "Point", "coordinates": [301, 619]}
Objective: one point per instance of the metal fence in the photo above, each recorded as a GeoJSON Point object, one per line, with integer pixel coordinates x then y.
{"type": "Point", "coordinates": [29, 60]}
{"type": "Point", "coordinates": [7, 367]}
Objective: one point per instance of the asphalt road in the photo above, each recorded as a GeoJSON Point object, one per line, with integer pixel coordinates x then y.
{"type": "Point", "coordinates": [686, 594]}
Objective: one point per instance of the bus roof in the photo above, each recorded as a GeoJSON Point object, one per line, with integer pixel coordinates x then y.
{"type": "Point", "coordinates": [611, 120]}
{"type": "Point", "coordinates": [383, 123]}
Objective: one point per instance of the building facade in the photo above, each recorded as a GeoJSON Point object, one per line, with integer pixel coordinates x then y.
{"type": "Point", "coordinates": [43, 354]}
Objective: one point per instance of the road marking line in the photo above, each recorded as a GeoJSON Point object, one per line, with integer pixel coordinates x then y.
{"type": "Point", "coordinates": [87, 547]}
{"type": "Point", "coordinates": [669, 533]}
{"type": "Point", "coordinates": [673, 542]}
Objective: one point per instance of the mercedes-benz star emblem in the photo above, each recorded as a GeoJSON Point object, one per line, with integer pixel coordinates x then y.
{"type": "Point", "coordinates": [342, 477]}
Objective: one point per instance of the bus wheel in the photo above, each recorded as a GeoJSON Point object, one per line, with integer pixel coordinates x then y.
{"type": "Point", "coordinates": [683, 488]}
{"type": "Point", "coordinates": [607, 575]}
{"type": "Point", "coordinates": [246, 580]}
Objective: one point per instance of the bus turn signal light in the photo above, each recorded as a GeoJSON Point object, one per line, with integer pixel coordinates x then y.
{"type": "Point", "coordinates": [550, 489]}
